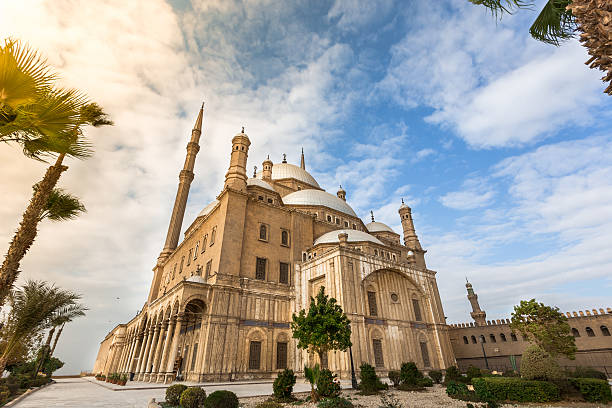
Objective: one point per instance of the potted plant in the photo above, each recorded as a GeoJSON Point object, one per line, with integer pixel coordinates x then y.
{"type": "Point", "coordinates": [123, 379]}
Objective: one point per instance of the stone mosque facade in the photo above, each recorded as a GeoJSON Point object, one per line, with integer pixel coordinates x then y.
{"type": "Point", "coordinates": [221, 300]}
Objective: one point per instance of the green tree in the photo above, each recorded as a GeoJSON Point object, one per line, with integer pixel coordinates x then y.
{"type": "Point", "coordinates": [559, 20]}
{"type": "Point", "coordinates": [33, 308]}
{"type": "Point", "coordinates": [47, 122]}
{"type": "Point", "coordinates": [323, 327]}
{"type": "Point", "coordinates": [544, 326]}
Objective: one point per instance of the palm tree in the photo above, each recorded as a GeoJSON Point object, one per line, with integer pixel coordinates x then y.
{"type": "Point", "coordinates": [33, 309]}
{"type": "Point", "coordinates": [46, 122]}
{"type": "Point", "coordinates": [559, 20]}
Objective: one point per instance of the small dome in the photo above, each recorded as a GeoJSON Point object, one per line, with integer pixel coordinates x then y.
{"type": "Point", "coordinates": [259, 183]}
{"type": "Point", "coordinates": [287, 171]}
{"type": "Point", "coordinates": [318, 198]}
{"type": "Point", "coordinates": [196, 279]}
{"type": "Point", "coordinates": [375, 226]}
{"type": "Point", "coordinates": [353, 236]}
{"type": "Point", "coordinates": [208, 208]}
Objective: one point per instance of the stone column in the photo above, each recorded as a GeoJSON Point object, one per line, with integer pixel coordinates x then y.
{"type": "Point", "coordinates": [132, 365]}
{"type": "Point", "coordinates": [124, 353]}
{"type": "Point", "coordinates": [151, 354]}
{"type": "Point", "coordinates": [163, 369]}
{"type": "Point", "coordinates": [158, 350]}
{"type": "Point", "coordinates": [143, 351]}
{"type": "Point", "coordinates": [174, 346]}
{"type": "Point", "coordinates": [126, 363]}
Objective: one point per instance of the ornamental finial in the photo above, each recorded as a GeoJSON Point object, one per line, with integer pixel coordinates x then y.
{"type": "Point", "coordinates": [372, 215]}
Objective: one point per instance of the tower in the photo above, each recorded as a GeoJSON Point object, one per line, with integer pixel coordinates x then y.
{"type": "Point", "coordinates": [477, 314]}
{"type": "Point", "coordinates": [266, 174]}
{"type": "Point", "coordinates": [341, 194]}
{"type": "Point", "coordinates": [411, 240]}
{"type": "Point", "coordinates": [236, 175]}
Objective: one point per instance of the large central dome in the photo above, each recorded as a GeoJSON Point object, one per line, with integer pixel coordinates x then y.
{"type": "Point", "coordinates": [313, 197]}
{"type": "Point", "coordinates": [287, 171]}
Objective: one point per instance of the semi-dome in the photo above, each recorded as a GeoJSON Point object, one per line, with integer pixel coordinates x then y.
{"type": "Point", "coordinates": [208, 208]}
{"type": "Point", "coordinates": [375, 226]}
{"type": "Point", "coordinates": [353, 236]}
{"type": "Point", "coordinates": [287, 170]}
{"type": "Point", "coordinates": [259, 183]}
{"type": "Point", "coordinates": [313, 197]}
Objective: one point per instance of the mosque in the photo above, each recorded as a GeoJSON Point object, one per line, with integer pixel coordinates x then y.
{"type": "Point", "coordinates": [221, 300]}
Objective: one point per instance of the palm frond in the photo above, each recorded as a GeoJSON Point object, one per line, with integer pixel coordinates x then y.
{"type": "Point", "coordinates": [499, 7]}
{"type": "Point", "coordinates": [62, 206]}
{"type": "Point", "coordinates": [555, 23]}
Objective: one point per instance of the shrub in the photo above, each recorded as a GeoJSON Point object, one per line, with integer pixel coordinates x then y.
{"type": "Point", "coordinates": [453, 374]}
{"type": "Point", "coordinates": [436, 376]}
{"type": "Point", "coordinates": [193, 397]}
{"type": "Point", "coordinates": [593, 389]}
{"type": "Point", "coordinates": [395, 378]}
{"type": "Point", "coordinates": [283, 385]}
{"type": "Point", "coordinates": [327, 384]}
{"type": "Point", "coordinates": [269, 404]}
{"type": "Point", "coordinates": [221, 399]}
{"type": "Point", "coordinates": [370, 383]}
{"type": "Point", "coordinates": [410, 387]}
{"type": "Point", "coordinates": [455, 389]}
{"type": "Point", "coordinates": [473, 372]}
{"type": "Point", "coordinates": [173, 394]}
{"type": "Point", "coordinates": [12, 385]}
{"type": "Point", "coordinates": [515, 389]}
{"type": "Point", "coordinates": [336, 402]}
{"type": "Point", "coordinates": [425, 382]}
{"type": "Point", "coordinates": [587, 372]}
{"type": "Point", "coordinates": [537, 364]}
{"type": "Point", "coordinates": [410, 374]}
{"type": "Point", "coordinates": [510, 373]}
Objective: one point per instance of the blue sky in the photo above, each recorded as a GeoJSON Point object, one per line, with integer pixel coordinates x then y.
{"type": "Point", "coordinates": [500, 144]}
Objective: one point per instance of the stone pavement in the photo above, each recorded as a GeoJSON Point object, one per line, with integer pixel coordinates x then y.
{"type": "Point", "coordinates": [82, 392]}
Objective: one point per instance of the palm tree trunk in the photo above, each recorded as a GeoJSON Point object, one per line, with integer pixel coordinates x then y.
{"type": "Point", "coordinates": [25, 235]}
{"type": "Point", "coordinates": [44, 351]}
{"type": "Point", "coordinates": [56, 338]}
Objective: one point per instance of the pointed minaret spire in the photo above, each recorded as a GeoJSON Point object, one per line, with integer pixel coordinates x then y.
{"type": "Point", "coordinates": [477, 314]}
{"type": "Point", "coordinates": [302, 163]}
{"type": "Point", "coordinates": [185, 179]}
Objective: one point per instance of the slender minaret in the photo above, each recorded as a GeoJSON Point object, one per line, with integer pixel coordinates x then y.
{"type": "Point", "coordinates": [477, 314]}
{"type": "Point", "coordinates": [185, 178]}
{"type": "Point", "coordinates": [302, 162]}
{"type": "Point", "coordinates": [236, 175]}
{"type": "Point", "coordinates": [411, 240]}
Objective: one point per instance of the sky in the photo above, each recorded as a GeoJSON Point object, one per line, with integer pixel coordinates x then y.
{"type": "Point", "coordinates": [501, 145]}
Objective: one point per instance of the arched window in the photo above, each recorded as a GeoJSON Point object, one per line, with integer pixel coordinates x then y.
{"type": "Point", "coordinates": [329, 218]}
{"type": "Point", "coordinates": [473, 340]}
{"type": "Point", "coordinates": [284, 238]}
{"type": "Point", "coordinates": [465, 340]}
{"type": "Point", "coordinates": [417, 310]}
{"type": "Point", "coordinates": [263, 232]}
{"type": "Point", "coordinates": [502, 336]}
{"type": "Point", "coordinates": [195, 253]}
{"type": "Point", "coordinates": [189, 257]}
{"type": "Point", "coordinates": [590, 332]}
{"type": "Point", "coordinates": [376, 252]}
{"type": "Point", "coordinates": [513, 336]}
{"type": "Point", "coordinates": [482, 339]}
{"type": "Point", "coordinates": [425, 354]}
{"type": "Point", "coordinates": [378, 353]}
{"type": "Point", "coordinates": [604, 330]}
{"type": "Point", "coordinates": [204, 243]}
{"type": "Point", "coordinates": [575, 332]}
{"type": "Point", "coordinates": [492, 337]}
{"type": "Point", "coordinates": [212, 236]}
{"type": "Point", "coordinates": [372, 307]}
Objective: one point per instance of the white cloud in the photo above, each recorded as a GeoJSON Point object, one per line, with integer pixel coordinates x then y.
{"type": "Point", "coordinates": [476, 194]}
{"type": "Point", "coordinates": [353, 15]}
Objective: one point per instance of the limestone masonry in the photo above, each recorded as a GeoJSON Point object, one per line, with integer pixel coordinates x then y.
{"type": "Point", "coordinates": [221, 301]}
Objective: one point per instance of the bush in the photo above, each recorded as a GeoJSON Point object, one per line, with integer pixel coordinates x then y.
{"type": "Point", "coordinates": [370, 383]}
{"type": "Point", "coordinates": [221, 399]}
{"type": "Point", "coordinates": [453, 374]}
{"type": "Point", "coordinates": [586, 372]}
{"type": "Point", "coordinates": [515, 389]}
{"type": "Point", "coordinates": [510, 373]}
{"type": "Point", "coordinates": [336, 402]}
{"type": "Point", "coordinates": [12, 385]}
{"type": "Point", "coordinates": [410, 374]}
{"type": "Point", "coordinates": [283, 385]}
{"type": "Point", "coordinates": [593, 389]}
{"type": "Point", "coordinates": [269, 404]}
{"type": "Point", "coordinates": [395, 378]}
{"type": "Point", "coordinates": [425, 382]}
{"type": "Point", "coordinates": [473, 372]}
{"type": "Point", "coordinates": [537, 364]}
{"type": "Point", "coordinates": [436, 376]}
{"type": "Point", "coordinates": [455, 389]}
{"type": "Point", "coordinates": [327, 384]}
{"type": "Point", "coordinates": [173, 394]}
{"type": "Point", "coordinates": [193, 397]}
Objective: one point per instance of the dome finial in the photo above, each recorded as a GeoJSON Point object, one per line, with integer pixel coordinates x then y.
{"type": "Point", "coordinates": [284, 158]}
{"type": "Point", "coordinates": [402, 200]}
{"type": "Point", "coordinates": [254, 171]}
{"type": "Point", "coordinates": [242, 130]}
{"type": "Point", "coordinates": [372, 215]}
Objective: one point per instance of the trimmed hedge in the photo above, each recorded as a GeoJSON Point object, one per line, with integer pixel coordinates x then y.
{"type": "Point", "coordinates": [515, 389]}
{"type": "Point", "coordinates": [593, 390]}
{"type": "Point", "coordinates": [193, 397]}
{"type": "Point", "coordinates": [173, 394]}
{"type": "Point", "coordinates": [221, 399]}
{"type": "Point", "coordinates": [455, 389]}
{"type": "Point", "coordinates": [586, 372]}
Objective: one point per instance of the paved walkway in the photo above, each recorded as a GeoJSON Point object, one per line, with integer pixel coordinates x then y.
{"type": "Point", "coordinates": [85, 392]}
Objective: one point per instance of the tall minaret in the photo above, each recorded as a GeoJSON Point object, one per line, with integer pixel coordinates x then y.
{"type": "Point", "coordinates": [477, 314]}
{"type": "Point", "coordinates": [302, 163]}
{"type": "Point", "coordinates": [236, 175]}
{"type": "Point", "coordinates": [411, 241]}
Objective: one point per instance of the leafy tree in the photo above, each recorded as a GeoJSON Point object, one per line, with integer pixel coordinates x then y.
{"type": "Point", "coordinates": [323, 328]}
{"type": "Point", "coordinates": [560, 19]}
{"type": "Point", "coordinates": [46, 122]}
{"type": "Point", "coordinates": [545, 326]}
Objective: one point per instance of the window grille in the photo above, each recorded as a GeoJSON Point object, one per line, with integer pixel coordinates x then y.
{"type": "Point", "coordinates": [284, 238]}
{"type": "Point", "coordinates": [260, 271]}
{"type": "Point", "coordinates": [284, 273]}
{"type": "Point", "coordinates": [281, 355]}
{"type": "Point", "coordinates": [263, 232]}
{"type": "Point", "coordinates": [372, 304]}
{"type": "Point", "coordinates": [417, 310]}
{"type": "Point", "coordinates": [189, 257]}
{"type": "Point", "coordinates": [208, 268]}
{"type": "Point", "coordinates": [254, 355]}
{"type": "Point", "coordinates": [204, 243]}
{"type": "Point", "coordinates": [378, 353]}
{"type": "Point", "coordinates": [194, 354]}
{"type": "Point", "coordinates": [425, 354]}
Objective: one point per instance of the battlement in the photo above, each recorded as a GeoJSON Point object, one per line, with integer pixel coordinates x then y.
{"type": "Point", "coordinates": [570, 315]}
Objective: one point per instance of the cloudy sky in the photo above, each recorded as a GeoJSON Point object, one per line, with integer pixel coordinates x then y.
{"type": "Point", "coordinates": [502, 145]}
